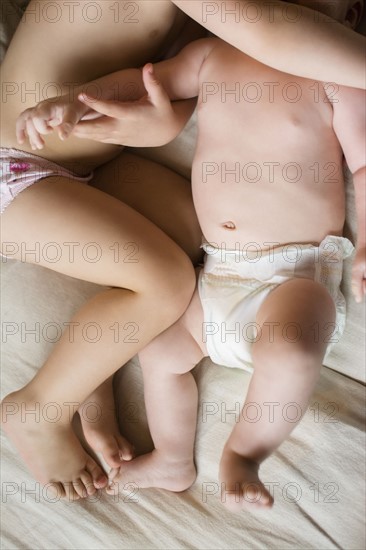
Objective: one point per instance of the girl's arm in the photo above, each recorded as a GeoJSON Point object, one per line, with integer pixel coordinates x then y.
{"type": "Point", "coordinates": [290, 38]}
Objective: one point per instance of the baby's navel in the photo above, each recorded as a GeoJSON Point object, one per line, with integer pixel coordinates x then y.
{"type": "Point", "coordinates": [229, 225]}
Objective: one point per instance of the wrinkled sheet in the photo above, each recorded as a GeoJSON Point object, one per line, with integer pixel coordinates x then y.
{"type": "Point", "coordinates": [317, 475]}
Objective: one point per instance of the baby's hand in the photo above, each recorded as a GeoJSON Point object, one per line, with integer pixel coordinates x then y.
{"type": "Point", "coordinates": [148, 122]}
{"type": "Point", "coordinates": [359, 274]}
{"type": "Point", "coordinates": [55, 114]}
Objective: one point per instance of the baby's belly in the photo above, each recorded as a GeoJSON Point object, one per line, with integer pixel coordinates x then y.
{"type": "Point", "coordinates": [266, 213]}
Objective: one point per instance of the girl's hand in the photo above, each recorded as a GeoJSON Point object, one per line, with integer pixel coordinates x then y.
{"type": "Point", "coordinates": [148, 122]}
{"type": "Point", "coordinates": [55, 114]}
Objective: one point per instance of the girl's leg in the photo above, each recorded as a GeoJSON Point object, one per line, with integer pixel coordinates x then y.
{"type": "Point", "coordinates": [171, 405]}
{"type": "Point", "coordinates": [161, 195]}
{"type": "Point", "coordinates": [122, 39]}
{"type": "Point", "coordinates": [152, 281]}
{"type": "Point", "coordinates": [165, 198]}
{"type": "Point", "coordinates": [287, 360]}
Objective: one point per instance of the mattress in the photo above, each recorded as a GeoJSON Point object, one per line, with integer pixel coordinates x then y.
{"type": "Point", "coordinates": [316, 476]}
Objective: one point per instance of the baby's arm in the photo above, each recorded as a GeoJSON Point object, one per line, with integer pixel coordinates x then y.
{"type": "Point", "coordinates": [62, 113]}
{"type": "Point", "coordinates": [152, 120]}
{"type": "Point", "coordinates": [314, 46]}
{"type": "Point", "coordinates": [349, 125]}
{"type": "Point", "coordinates": [142, 99]}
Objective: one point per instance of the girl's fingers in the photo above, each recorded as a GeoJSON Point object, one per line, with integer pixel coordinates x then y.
{"type": "Point", "coordinates": [65, 130]}
{"type": "Point", "coordinates": [94, 129]}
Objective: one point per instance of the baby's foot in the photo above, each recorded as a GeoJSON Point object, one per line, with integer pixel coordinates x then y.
{"type": "Point", "coordinates": [154, 470]}
{"type": "Point", "coordinates": [100, 426]}
{"type": "Point", "coordinates": [50, 448]}
{"type": "Point", "coordinates": [241, 487]}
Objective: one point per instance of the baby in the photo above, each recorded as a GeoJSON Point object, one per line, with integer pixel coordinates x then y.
{"type": "Point", "coordinates": [268, 188]}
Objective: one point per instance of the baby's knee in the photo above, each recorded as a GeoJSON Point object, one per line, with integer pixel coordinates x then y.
{"type": "Point", "coordinates": [292, 349]}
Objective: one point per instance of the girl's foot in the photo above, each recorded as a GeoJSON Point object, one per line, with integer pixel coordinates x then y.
{"type": "Point", "coordinates": [43, 435]}
{"type": "Point", "coordinates": [100, 426]}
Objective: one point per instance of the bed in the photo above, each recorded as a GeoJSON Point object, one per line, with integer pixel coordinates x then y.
{"type": "Point", "coordinates": [317, 475]}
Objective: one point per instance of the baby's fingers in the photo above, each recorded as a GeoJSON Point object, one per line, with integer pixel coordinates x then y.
{"type": "Point", "coordinates": [35, 139]}
{"type": "Point", "coordinates": [42, 126]}
{"type": "Point", "coordinates": [20, 128]}
{"type": "Point", "coordinates": [70, 117]}
{"type": "Point", "coordinates": [155, 90]}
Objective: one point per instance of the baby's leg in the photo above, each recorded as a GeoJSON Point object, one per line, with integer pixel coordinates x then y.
{"type": "Point", "coordinates": [171, 404]}
{"type": "Point", "coordinates": [150, 290]}
{"type": "Point", "coordinates": [165, 198]}
{"type": "Point", "coordinates": [287, 358]}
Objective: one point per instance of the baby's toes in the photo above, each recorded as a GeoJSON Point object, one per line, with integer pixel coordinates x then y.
{"type": "Point", "coordinates": [115, 450]}
{"type": "Point", "coordinates": [256, 496]}
{"type": "Point", "coordinates": [113, 487]}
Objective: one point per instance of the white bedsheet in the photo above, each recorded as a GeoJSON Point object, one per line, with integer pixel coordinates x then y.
{"type": "Point", "coordinates": [317, 475]}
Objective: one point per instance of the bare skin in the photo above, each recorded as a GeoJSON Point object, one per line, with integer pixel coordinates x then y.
{"type": "Point", "coordinates": [310, 131]}
{"type": "Point", "coordinates": [91, 215]}
{"type": "Point", "coordinates": [66, 155]}
{"type": "Point", "coordinates": [152, 198]}
{"type": "Point", "coordinates": [268, 31]}
{"type": "Point", "coordinates": [100, 426]}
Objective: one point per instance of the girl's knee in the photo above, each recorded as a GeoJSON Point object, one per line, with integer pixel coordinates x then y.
{"type": "Point", "coordinates": [169, 284]}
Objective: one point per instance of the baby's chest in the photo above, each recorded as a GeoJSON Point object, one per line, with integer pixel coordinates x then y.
{"type": "Point", "coordinates": [236, 91]}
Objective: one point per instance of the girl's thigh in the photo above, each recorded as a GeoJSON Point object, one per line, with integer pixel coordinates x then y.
{"type": "Point", "coordinates": [156, 192]}
{"type": "Point", "coordinates": [60, 44]}
{"type": "Point", "coordinates": [55, 48]}
{"type": "Point", "coordinates": [80, 231]}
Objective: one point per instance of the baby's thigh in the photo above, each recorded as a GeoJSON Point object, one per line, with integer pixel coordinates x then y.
{"type": "Point", "coordinates": [295, 320]}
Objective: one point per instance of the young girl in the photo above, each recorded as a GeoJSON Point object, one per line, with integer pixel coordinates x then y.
{"type": "Point", "coordinates": [54, 205]}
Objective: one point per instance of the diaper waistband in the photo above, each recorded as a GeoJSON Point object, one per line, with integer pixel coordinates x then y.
{"type": "Point", "coordinates": [278, 263]}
